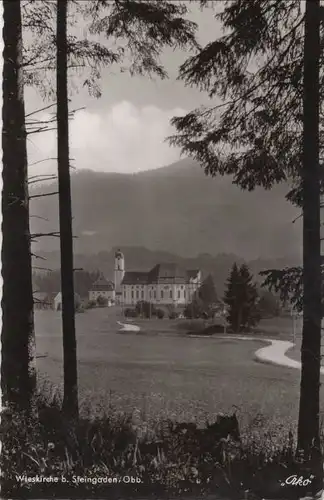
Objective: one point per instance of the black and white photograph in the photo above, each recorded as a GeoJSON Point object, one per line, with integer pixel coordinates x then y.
{"type": "Point", "coordinates": [161, 249]}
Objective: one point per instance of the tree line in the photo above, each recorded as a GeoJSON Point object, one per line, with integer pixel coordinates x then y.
{"type": "Point", "coordinates": [267, 71]}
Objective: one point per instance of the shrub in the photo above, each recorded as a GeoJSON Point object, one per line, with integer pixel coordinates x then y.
{"type": "Point", "coordinates": [173, 315]}
{"type": "Point", "coordinates": [160, 313]}
{"type": "Point", "coordinates": [102, 301]}
{"type": "Point", "coordinates": [130, 313]}
{"type": "Point", "coordinates": [145, 309]}
{"type": "Point", "coordinates": [91, 304]}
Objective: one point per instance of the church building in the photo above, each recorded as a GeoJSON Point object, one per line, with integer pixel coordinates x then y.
{"type": "Point", "coordinates": [164, 284]}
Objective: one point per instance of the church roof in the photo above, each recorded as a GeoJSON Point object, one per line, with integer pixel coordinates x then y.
{"type": "Point", "coordinates": [102, 285]}
{"type": "Point", "coordinates": [161, 273]}
{"type": "Point", "coordinates": [135, 278]}
{"type": "Point", "coordinates": [167, 272]}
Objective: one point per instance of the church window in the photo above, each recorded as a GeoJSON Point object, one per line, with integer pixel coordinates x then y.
{"type": "Point", "coordinates": [170, 294]}
{"type": "Point", "coordinates": [161, 294]}
{"type": "Point", "coordinates": [137, 294]}
{"type": "Point", "coordinates": [142, 294]}
{"type": "Point", "coordinates": [132, 294]}
{"type": "Point", "coordinates": [178, 294]}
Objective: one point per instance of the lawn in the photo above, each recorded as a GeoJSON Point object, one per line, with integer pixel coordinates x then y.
{"type": "Point", "coordinates": [294, 352]}
{"type": "Point", "coordinates": [167, 376]}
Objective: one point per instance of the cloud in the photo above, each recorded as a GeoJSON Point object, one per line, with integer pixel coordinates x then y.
{"type": "Point", "coordinates": [122, 139]}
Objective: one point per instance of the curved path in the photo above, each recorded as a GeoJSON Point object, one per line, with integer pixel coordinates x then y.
{"type": "Point", "coordinates": [274, 353]}
{"type": "Point", "coordinates": [126, 327]}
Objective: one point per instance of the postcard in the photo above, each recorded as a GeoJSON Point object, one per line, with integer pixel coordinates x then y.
{"type": "Point", "coordinates": [162, 249]}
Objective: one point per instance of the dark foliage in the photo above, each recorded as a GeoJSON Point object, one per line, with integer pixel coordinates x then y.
{"type": "Point", "coordinates": [102, 301]}
{"type": "Point", "coordinates": [145, 309]}
{"type": "Point", "coordinates": [130, 313]}
{"type": "Point", "coordinates": [173, 458]}
{"type": "Point", "coordinates": [136, 33]}
{"type": "Point", "coordinates": [241, 298]}
{"type": "Point", "coordinates": [160, 313]}
{"type": "Point", "coordinates": [255, 69]}
{"type": "Point", "coordinates": [207, 291]}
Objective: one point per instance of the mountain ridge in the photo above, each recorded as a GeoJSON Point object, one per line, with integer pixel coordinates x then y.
{"type": "Point", "coordinates": [177, 209]}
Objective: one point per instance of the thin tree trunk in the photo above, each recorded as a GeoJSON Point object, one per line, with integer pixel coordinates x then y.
{"type": "Point", "coordinates": [70, 399]}
{"type": "Point", "coordinates": [18, 368]}
{"type": "Point", "coordinates": [308, 425]}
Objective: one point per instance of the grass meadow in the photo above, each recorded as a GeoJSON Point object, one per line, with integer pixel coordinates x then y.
{"type": "Point", "coordinates": [161, 373]}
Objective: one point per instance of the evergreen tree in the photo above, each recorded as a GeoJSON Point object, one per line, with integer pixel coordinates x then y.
{"type": "Point", "coordinates": [18, 373]}
{"type": "Point", "coordinates": [268, 72]}
{"type": "Point", "coordinates": [241, 298]}
{"type": "Point", "coordinates": [249, 299]}
{"type": "Point", "coordinates": [207, 291]}
{"type": "Point", "coordinates": [231, 298]}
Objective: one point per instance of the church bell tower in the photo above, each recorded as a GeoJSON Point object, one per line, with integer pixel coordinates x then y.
{"type": "Point", "coordinates": [119, 274]}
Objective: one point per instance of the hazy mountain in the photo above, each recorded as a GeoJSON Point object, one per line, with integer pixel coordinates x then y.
{"type": "Point", "coordinates": [175, 209]}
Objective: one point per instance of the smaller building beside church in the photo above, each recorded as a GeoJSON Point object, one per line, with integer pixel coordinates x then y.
{"type": "Point", "coordinates": [58, 301]}
{"type": "Point", "coordinates": [103, 288]}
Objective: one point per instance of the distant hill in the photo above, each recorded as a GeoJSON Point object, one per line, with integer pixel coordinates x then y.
{"type": "Point", "coordinates": [174, 209]}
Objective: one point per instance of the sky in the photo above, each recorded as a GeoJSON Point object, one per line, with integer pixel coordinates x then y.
{"type": "Point", "coordinates": [124, 130]}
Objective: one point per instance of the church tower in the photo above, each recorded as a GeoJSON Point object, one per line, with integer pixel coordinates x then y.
{"type": "Point", "coordinates": [119, 274]}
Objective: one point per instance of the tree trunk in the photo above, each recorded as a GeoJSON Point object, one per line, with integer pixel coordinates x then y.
{"type": "Point", "coordinates": [70, 399]}
{"type": "Point", "coordinates": [308, 425]}
{"type": "Point", "coordinates": [18, 368]}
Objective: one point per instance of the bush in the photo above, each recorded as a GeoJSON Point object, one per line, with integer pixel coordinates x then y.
{"type": "Point", "coordinates": [102, 301]}
{"type": "Point", "coordinates": [173, 315]}
{"type": "Point", "coordinates": [197, 309]}
{"type": "Point", "coordinates": [160, 314]}
{"type": "Point", "coordinates": [130, 313]}
{"type": "Point", "coordinates": [145, 309]}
